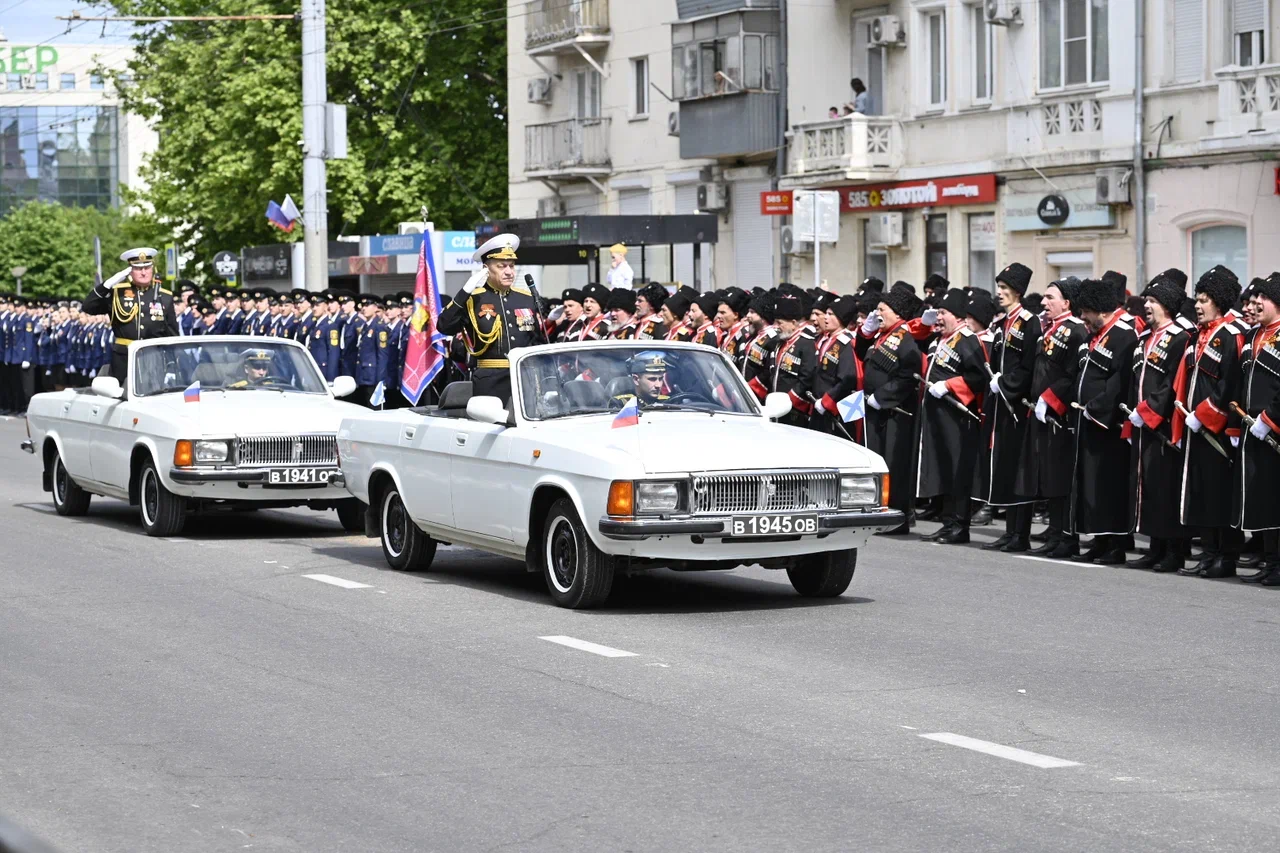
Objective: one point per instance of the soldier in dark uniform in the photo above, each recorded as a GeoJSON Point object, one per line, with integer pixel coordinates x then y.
{"type": "Point", "coordinates": [949, 437]}
{"type": "Point", "coordinates": [764, 338]}
{"type": "Point", "coordinates": [735, 327]}
{"type": "Point", "coordinates": [890, 361]}
{"type": "Point", "coordinates": [1213, 371]}
{"type": "Point", "coordinates": [139, 308]}
{"type": "Point", "coordinates": [256, 365]}
{"type": "Point", "coordinates": [1103, 461]}
{"type": "Point", "coordinates": [649, 301]}
{"type": "Point", "coordinates": [839, 371]}
{"type": "Point", "coordinates": [1154, 423]}
{"type": "Point", "coordinates": [370, 337]}
{"type": "Point", "coordinates": [1258, 467]}
{"type": "Point", "coordinates": [1046, 471]}
{"type": "Point", "coordinates": [673, 311]}
{"type": "Point", "coordinates": [648, 371]}
{"type": "Point", "coordinates": [792, 363]}
{"type": "Point", "coordinates": [497, 316]}
{"type": "Point", "coordinates": [235, 312]}
{"type": "Point", "coordinates": [1014, 348]}
{"type": "Point", "coordinates": [186, 295]}
{"type": "Point", "coordinates": [622, 307]}
{"type": "Point", "coordinates": [569, 327]}
{"type": "Point", "coordinates": [702, 313]}
{"type": "Point", "coordinates": [595, 318]}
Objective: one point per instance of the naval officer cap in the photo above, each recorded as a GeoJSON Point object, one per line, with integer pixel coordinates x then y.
{"type": "Point", "coordinates": [500, 248]}
{"type": "Point", "coordinates": [651, 362]}
{"type": "Point", "coordinates": [140, 258]}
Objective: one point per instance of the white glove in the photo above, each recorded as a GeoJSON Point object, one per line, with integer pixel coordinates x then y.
{"type": "Point", "coordinates": [1193, 423]}
{"type": "Point", "coordinates": [169, 377]}
{"type": "Point", "coordinates": [870, 324]}
{"type": "Point", "coordinates": [938, 389]}
{"type": "Point", "coordinates": [1136, 419]}
{"type": "Point", "coordinates": [556, 313]}
{"type": "Point", "coordinates": [117, 278]}
{"type": "Point", "coordinates": [71, 369]}
{"type": "Point", "coordinates": [995, 383]}
{"type": "Point", "coordinates": [817, 405]}
{"type": "Point", "coordinates": [25, 364]}
{"type": "Point", "coordinates": [873, 402]}
{"type": "Point", "coordinates": [929, 317]}
{"type": "Point", "coordinates": [477, 280]}
{"type": "Point", "coordinates": [1259, 430]}
{"type": "Point", "coordinates": [1042, 411]}
{"type": "Point", "coordinates": [1235, 440]}
{"type": "Point", "coordinates": [93, 374]}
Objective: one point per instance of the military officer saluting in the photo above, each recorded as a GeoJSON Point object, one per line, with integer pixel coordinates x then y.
{"type": "Point", "coordinates": [495, 315]}
{"type": "Point", "coordinates": [139, 308]}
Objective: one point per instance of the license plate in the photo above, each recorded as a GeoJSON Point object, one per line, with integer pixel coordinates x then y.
{"type": "Point", "coordinates": [301, 476]}
{"type": "Point", "coordinates": [775, 525]}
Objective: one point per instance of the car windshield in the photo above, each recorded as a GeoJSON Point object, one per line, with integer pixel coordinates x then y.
{"type": "Point", "coordinates": [593, 379]}
{"type": "Point", "coordinates": [249, 365]}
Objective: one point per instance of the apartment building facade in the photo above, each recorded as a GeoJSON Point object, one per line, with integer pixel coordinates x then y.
{"type": "Point", "coordinates": [990, 131]}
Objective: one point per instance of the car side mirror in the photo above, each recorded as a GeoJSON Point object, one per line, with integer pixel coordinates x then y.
{"type": "Point", "coordinates": [344, 386]}
{"type": "Point", "coordinates": [776, 405]}
{"type": "Point", "coordinates": [107, 386]}
{"type": "Point", "coordinates": [487, 410]}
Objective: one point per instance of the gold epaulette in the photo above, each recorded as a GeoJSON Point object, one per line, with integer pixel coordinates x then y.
{"type": "Point", "coordinates": [518, 289]}
{"type": "Point", "coordinates": [166, 292]}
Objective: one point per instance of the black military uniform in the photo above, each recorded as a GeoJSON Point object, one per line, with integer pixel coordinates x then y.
{"type": "Point", "coordinates": [494, 320]}
{"type": "Point", "coordinates": [137, 313]}
{"type": "Point", "coordinates": [1258, 467]}
{"type": "Point", "coordinates": [650, 326]}
{"type": "Point", "coordinates": [839, 374]}
{"type": "Point", "coordinates": [792, 364]}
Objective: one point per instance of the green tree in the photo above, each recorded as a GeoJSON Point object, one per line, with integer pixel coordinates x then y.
{"type": "Point", "coordinates": [424, 82]}
{"type": "Point", "coordinates": [55, 244]}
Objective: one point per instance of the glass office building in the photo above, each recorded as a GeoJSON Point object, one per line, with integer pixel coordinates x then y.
{"type": "Point", "coordinates": [68, 154]}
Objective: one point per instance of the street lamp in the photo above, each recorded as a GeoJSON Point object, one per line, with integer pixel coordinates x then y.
{"type": "Point", "coordinates": [18, 273]}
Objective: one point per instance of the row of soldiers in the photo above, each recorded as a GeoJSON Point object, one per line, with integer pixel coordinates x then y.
{"type": "Point", "coordinates": [46, 345]}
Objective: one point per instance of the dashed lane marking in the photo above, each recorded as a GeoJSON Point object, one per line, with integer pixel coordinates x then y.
{"type": "Point", "coordinates": [1022, 756]}
{"type": "Point", "coordinates": [594, 648]}
{"type": "Point", "coordinates": [342, 582]}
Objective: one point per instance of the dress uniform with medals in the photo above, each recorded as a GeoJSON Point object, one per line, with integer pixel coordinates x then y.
{"type": "Point", "coordinates": [622, 299]}
{"type": "Point", "coordinates": [596, 327]}
{"type": "Point", "coordinates": [649, 326]}
{"type": "Point", "coordinates": [371, 351]}
{"type": "Point", "coordinates": [495, 316]}
{"type": "Point", "coordinates": [792, 364]}
{"type": "Point", "coordinates": [570, 331]}
{"type": "Point", "coordinates": [755, 364]}
{"type": "Point", "coordinates": [735, 340]}
{"type": "Point", "coordinates": [138, 311]}
{"type": "Point", "coordinates": [1258, 468]}
{"type": "Point", "coordinates": [677, 329]}
{"type": "Point", "coordinates": [839, 373]}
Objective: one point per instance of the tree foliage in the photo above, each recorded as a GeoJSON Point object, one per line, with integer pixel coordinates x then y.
{"type": "Point", "coordinates": [424, 82]}
{"type": "Point", "coordinates": [55, 244]}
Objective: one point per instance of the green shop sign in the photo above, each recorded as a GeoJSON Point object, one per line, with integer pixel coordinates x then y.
{"type": "Point", "coordinates": [27, 60]}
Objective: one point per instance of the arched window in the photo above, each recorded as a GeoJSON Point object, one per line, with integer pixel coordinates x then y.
{"type": "Point", "coordinates": [1220, 244]}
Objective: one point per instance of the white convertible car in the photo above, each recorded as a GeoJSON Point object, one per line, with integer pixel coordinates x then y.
{"type": "Point", "coordinates": [617, 457]}
{"type": "Point", "coordinates": [260, 432]}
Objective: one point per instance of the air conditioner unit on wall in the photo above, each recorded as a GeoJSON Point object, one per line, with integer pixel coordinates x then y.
{"type": "Point", "coordinates": [888, 230]}
{"type": "Point", "coordinates": [410, 228]}
{"type": "Point", "coordinates": [712, 197]}
{"type": "Point", "coordinates": [1003, 13]}
{"type": "Point", "coordinates": [886, 31]}
{"type": "Point", "coordinates": [792, 246]}
{"type": "Point", "coordinates": [1112, 185]}
{"type": "Point", "coordinates": [539, 90]}
{"type": "Point", "coordinates": [673, 123]}
{"type": "Point", "coordinates": [550, 206]}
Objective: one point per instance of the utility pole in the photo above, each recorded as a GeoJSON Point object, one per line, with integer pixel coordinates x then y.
{"type": "Point", "coordinates": [315, 205]}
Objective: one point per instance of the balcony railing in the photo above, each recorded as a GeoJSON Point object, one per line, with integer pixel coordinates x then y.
{"type": "Point", "coordinates": [556, 21]}
{"type": "Point", "coordinates": [574, 146]}
{"type": "Point", "coordinates": [853, 143]}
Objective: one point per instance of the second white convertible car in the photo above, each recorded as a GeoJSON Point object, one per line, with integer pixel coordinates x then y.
{"type": "Point", "coordinates": [617, 457]}
{"type": "Point", "coordinates": [206, 422]}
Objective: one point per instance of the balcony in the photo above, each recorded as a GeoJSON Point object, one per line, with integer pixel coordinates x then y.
{"type": "Point", "coordinates": [739, 124]}
{"type": "Point", "coordinates": [1248, 100]}
{"type": "Point", "coordinates": [851, 148]}
{"type": "Point", "coordinates": [574, 148]}
{"type": "Point", "coordinates": [565, 26]}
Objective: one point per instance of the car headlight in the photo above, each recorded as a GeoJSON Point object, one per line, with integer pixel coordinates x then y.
{"type": "Point", "coordinates": [210, 451]}
{"type": "Point", "coordinates": [656, 497]}
{"type": "Point", "coordinates": [858, 490]}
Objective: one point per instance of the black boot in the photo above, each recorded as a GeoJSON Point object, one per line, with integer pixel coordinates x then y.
{"type": "Point", "coordinates": [1017, 545]}
{"type": "Point", "coordinates": [1223, 567]}
{"type": "Point", "coordinates": [939, 533]}
{"type": "Point", "coordinates": [1066, 549]}
{"type": "Point", "coordinates": [1096, 549]}
{"type": "Point", "coordinates": [999, 543]}
{"type": "Point", "coordinates": [1171, 562]}
{"type": "Point", "coordinates": [1268, 567]}
{"type": "Point", "coordinates": [958, 535]}
{"type": "Point", "coordinates": [982, 517]}
{"type": "Point", "coordinates": [1146, 561]}
{"type": "Point", "coordinates": [1051, 542]}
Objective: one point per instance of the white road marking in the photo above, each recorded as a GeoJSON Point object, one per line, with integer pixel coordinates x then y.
{"type": "Point", "coordinates": [342, 582]}
{"type": "Point", "coordinates": [1048, 560]}
{"type": "Point", "coordinates": [1035, 759]}
{"type": "Point", "coordinates": [594, 648]}
{"type": "Point", "coordinates": [270, 562]}
{"type": "Point", "coordinates": [909, 728]}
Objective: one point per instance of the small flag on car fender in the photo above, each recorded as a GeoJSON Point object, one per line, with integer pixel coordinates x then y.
{"type": "Point", "coordinates": [378, 395]}
{"type": "Point", "coordinates": [192, 393]}
{"type": "Point", "coordinates": [853, 407]}
{"type": "Point", "coordinates": [629, 416]}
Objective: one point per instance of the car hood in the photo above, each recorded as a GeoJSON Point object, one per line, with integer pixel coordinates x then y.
{"type": "Point", "coordinates": [677, 442]}
{"type": "Point", "coordinates": [228, 413]}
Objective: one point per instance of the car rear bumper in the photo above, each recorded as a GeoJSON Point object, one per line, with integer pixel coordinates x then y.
{"type": "Point", "coordinates": [874, 520]}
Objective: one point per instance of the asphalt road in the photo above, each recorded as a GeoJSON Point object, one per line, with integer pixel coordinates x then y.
{"type": "Point", "coordinates": [203, 694]}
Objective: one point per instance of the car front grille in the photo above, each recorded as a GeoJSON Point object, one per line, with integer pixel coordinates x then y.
{"type": "Point", "coordinates": [313, 449]}
{"type": "Point", "coordinates": [792, 491]}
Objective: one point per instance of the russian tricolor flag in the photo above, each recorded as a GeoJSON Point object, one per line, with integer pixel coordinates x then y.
{"type": "Point", "coordinates": [629, 416]}
{"type": "Point", "coordinates": [192, 394]}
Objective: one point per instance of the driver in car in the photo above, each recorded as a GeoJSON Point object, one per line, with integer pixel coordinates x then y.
{"type": "Point", "coordinates": [257, 365]}
{"type": "Point", "coordinates": [648, 376]}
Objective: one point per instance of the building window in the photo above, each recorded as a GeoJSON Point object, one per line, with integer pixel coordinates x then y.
{"type": "Point", "coordinates": [95, 81]}
{"type": "Point", "coordinates": [14, 81]}
{"type": "Point", "coordinates": [640, 86]}
{"type": "Point", "coordinates": [982, 54]}
{"type": "Point", "coordinates": [587, 88]}
{"type": "Point", "coordinates": [1073, 43]}
{"type": "Point", "coordinates": [1248, 25]}
{"type": "Point", "coordinates": [936, 26]}
{"type": "Point", "coordinates": [42, 82]}
{"type": "Point", "coordinates": [875, 260]}
{"type": "Point", "coordinates": [1219, 244]}
{"type": "Point", "coordinates": [68, 81]}
{"type": "Point", "coordinates": [64, 154]}
{"type": "Point", "coordinates": [724, 55]}
{"type": "Point", "coordinates": [1188, 40]}
{"type": "Point", "coordinates": [982, 250]}
{"type": "Point", "coordinates": [935, 244]}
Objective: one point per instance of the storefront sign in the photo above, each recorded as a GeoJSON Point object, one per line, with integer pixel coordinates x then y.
{"type": "Point", "coordinates": [1053, 210]}
{"type": "Point", "coordinates": [982, 232]}
{"type": "Point", "coordinates": [1022, 211]}
{"type": "Point", "coordinates": [938, 192]}
{"type": "Point", "coordinates": [226, 265]}
{"type": "Point", "coordinates": [263, 263]}
{"type": "Point", "coordinates": [396, 244]}
{"type": "Point", "coordinates": [776, 203]}
{"type": "Point", "coordinates": [27, 60]}
{"type": "Point", "coordinates": [459, 246]}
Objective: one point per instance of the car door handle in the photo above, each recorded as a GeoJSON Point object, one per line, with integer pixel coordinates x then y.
{"type": "Point", "coordinates": [409, 432]}
{"type": "Point", "coordinates": [460, 439]}
{"type": "Point", "coordinates": [66, 407]}
{"type": "Point", "coordinates": [95, 411]}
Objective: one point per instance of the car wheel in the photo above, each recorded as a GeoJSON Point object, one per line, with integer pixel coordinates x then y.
{"type": "Point", "coordinates": [351, 515]}
{"type": "Point", "coordinates": [163, 513]}
{"type": "Point", "coordinates": [579, 575]}
{"type": "Point", "coordinates": [68, 498]}
{"type": "Point", "coordinates": [404, 545]}
{"type": "Point", "coordinates": [824, 575]}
